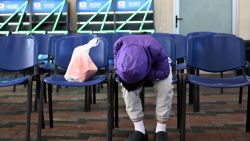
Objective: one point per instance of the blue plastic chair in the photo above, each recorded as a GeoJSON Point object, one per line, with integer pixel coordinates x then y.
{"type": "Point", "coordinates": [196, 71]}
{"type": "Point", "coordinates": [52, 39]}
{"type": "Point", "coordinates": [221, 74]}
{"type": "Point", "coordinates": [42, 41]}
{"type": "Point", "coordinates": [19, 53]}
{"type": "Point", "coordinates": [14, 87]}
{"type": "Point", "coordinates": [44, 57]}
{"type": "Point", "coordinates": [63, 51]}
{"type": "Point", "coordinates": [168, 45]}
{"type": "Point", "coordinates": [205, 53]}
{"type": "Point", "coordinates": [51, 42]}
{"type": "Point", "coordinates": [110, 38]}
{"type": "Point", "coordinates": [181, 48]}
{"type": "Point", "coordinates": [206, 33]}
{"type": "Point", "coordinates": [181, 51]}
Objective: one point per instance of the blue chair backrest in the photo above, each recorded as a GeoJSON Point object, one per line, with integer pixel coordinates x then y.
{"type": "Point", "coordinates": [66, 45]}
{"type": "Point", "coordinates": [42, 41]}
{"type": "Point", "coordinates": [216, 53]}
{"type": "Point", "coordinates": [99, 54]}
{"type": "Point", "coordinates": [201, 33]}
{"type": "Point", "coordinates": [110, 38]}
{"type": "Point", "coordinates": [180, 44]}
{"type": "Point", "coordinates": [168, 45]}
{"type": "Point", "coordinates": [18, 52]}
{"type": "Point", "coordinates": [52, 43]}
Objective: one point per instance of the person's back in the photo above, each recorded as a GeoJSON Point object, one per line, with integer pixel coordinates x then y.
{"type": "Point", "coordinates": [157, 57]}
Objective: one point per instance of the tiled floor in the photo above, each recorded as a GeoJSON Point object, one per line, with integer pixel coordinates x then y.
{"type": "Point", "coordinates": [221, 117]}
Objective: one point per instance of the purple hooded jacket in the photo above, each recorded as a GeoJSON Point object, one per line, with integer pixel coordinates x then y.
{"type": "Point", "coordinates": [159, 67]}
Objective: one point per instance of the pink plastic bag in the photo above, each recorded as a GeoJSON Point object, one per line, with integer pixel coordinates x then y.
{"type": "Point", "coordinates": [81, 67]}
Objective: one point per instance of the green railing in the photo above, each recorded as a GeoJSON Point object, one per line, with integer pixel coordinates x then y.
{"type": "Point", "coordinates": [143, 11]}
{"type": "Point", "coordinates": [148, 4]}
{"type": "Point", "coordinates": [22, 8]}
{"type": "Point", "coordinates": [60, 7]}
{"type": "Point", "coordinates": [101, 30]}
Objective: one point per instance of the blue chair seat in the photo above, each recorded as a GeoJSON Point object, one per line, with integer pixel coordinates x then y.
{"type": "Point", "coordinates": [181, 66]}
{"type": "Point", "coordinates": [13, 81]}
{"type": "Point", "coordinates": [61, 81]}
{"type": "Point", "coordinates": [230, 82]}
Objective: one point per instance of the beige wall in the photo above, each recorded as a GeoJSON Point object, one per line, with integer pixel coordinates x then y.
{"type": "Point", "coordinates": [164, 16]}
{"type": "Point", "coordinates": [244, 18]}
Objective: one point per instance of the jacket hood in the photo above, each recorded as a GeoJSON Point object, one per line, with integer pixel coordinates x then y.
{"type": "Point", "coordinates": [132, 63]}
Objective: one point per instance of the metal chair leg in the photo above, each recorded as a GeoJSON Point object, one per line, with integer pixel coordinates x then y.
{"type": "Point", "coordinates": [37, 92]}
{"type": "Point", "coordinates": [248, 111]}
{"type": "Point", "coordinates": [179, 92]}
{"type": "Point", "coordinates": [116, 103]}
{"type": "Point", "coordinates": [240, 95]}
{"type": "Point", "coordinates": [87, 99]}
{"type": "Point", "coordinates": [40, 113]}
{"type": "Point", "coordinates": [94, 94]}
{"type": "Point", "coordinates": [221, 76]}
{"type": "Point", "coordinates": [183, 108]}
{"type": "Point", "coordinates": [29, 101]}
{"type": "Point", "coordinates": [50, 104]}
{"type": "Point", "coordinates": [196, 99]}
{"type": "Point", "coordinates": [110, 108]}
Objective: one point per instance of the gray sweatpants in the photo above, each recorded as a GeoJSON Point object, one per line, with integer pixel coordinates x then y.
{"type": "Point", "coordinates": [163, 90]}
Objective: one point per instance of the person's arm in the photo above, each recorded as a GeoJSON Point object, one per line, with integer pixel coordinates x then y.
{"type": "Point", "coordinates": [160, 65]}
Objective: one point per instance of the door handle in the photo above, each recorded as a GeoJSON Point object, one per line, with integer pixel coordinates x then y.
{"type": "Point", "coordinates": [176, 20]}
{"type": "Point", "coordinates": [179, 19]}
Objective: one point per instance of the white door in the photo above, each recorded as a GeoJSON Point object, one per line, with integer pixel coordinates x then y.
{"type": "Point", "coordinates": [205, 15]}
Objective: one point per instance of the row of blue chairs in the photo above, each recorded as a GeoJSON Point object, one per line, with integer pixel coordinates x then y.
{"type": "Point", "coordinates": [20, 52]}
{"type": "Point", "coordinates": [195, 51]}
{"type": "Point", "coordinates": [48, 44]}
{"type": "Point", "coordinates": [213, 53]}
{"type": "Point", "coordinates": [217, 53]}
{"type": "Point", "coordinates": [63, 50]}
